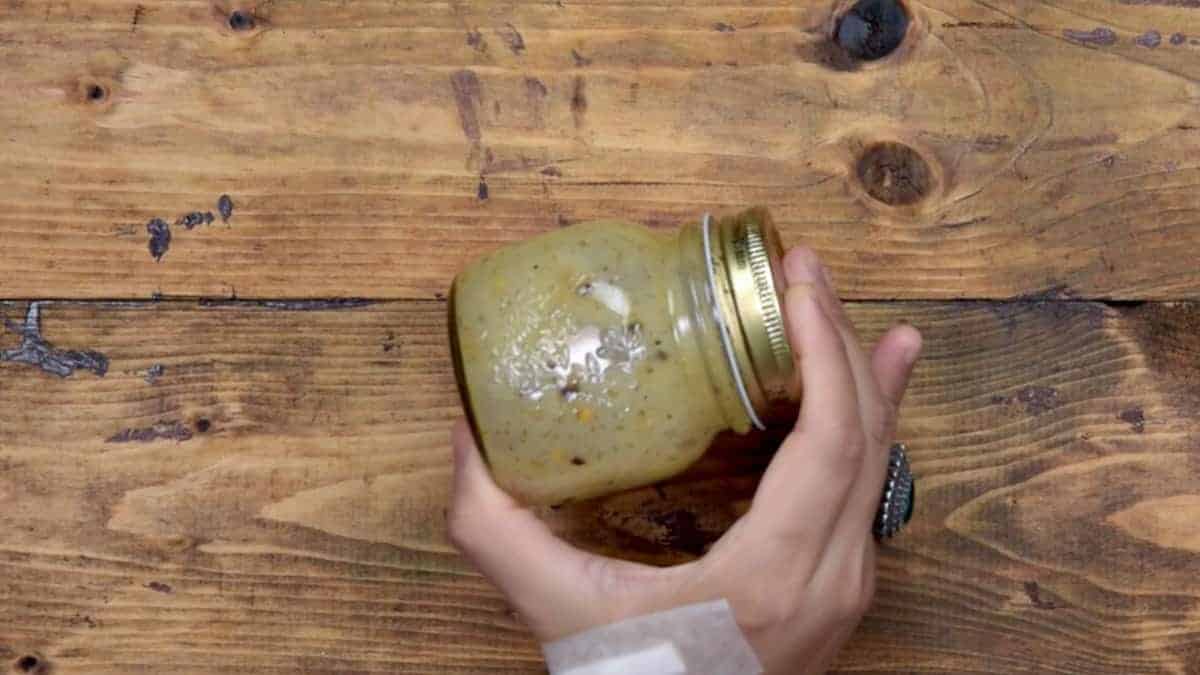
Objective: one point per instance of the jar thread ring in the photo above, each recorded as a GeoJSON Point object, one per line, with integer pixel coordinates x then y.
{"type": "Point", "coordinates": [723, 329]}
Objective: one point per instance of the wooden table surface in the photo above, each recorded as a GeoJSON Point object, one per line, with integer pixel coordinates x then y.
{"type": "Point", "coordinates": [226, 452]}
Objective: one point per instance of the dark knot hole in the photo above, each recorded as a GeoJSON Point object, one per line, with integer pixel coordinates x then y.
{"type": "Point", "coordinates": [872, 29]}
{"type": "Point", "coordinates": [96, 93]}
{"type": "Point", "coordinates": [239, 20]}
{"type": "Point", "coordinates": [28, 663]}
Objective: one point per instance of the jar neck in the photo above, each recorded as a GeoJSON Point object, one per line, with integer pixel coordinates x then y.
{"type": "Point", "coordinates": [713, 324]}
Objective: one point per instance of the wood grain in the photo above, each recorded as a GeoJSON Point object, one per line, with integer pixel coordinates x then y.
{"type": "Point", "coordinates": [371, 148]}
{"type": "Point", "coordinates": [225, 486]}
{"type": "Point", "coordinates": [272, 498]}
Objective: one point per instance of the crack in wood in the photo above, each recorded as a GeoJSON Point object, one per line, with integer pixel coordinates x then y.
{"type": "Point", "coordinates": [324, 304]}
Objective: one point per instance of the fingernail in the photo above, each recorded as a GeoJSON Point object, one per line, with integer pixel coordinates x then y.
{"type": "Point", "coordinates": [801, 266]}
{"type": "Point", "coordinates": [912, 347]}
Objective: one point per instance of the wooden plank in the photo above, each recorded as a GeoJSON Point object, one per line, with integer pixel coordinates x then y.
{"type": "Point", "coordinates": [272, 498]}
{"type": "Point", "coordinates": [355, 140]}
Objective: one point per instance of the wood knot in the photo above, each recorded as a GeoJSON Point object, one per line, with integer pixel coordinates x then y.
{"type": "Point", "coordinates": [92, 90]}
{"type": "Point", "coordinates": [241, 20]}
{"type": "Point", "coordinates": [872, 29]}
{"type": "Point", "coordinates": [895, 174]}
{"type": "Point", "coordinates": [30, 663]}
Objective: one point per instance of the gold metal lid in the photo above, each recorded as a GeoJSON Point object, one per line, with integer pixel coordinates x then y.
{"type": "Point", "coordinates": [749, 258]}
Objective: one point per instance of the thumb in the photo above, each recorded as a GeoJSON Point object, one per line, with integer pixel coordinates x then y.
{"type": "Point", "coordinates": [553, 585]}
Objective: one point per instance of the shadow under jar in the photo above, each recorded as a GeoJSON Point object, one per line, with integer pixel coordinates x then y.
{"type": "Point", "coordinates": [606, 356]}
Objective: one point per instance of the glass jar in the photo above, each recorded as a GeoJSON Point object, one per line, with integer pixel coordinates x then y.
{"type": "Point", "coordinates": [605, 356]}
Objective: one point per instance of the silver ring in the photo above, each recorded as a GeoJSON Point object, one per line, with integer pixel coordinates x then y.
{"type": "Point", "coordinates": [899, 495]}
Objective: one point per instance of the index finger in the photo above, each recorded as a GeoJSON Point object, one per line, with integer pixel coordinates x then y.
{"type": "Point", "coordinates": [806, 486]}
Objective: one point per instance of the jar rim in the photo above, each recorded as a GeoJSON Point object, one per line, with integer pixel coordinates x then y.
{"type": "Point", "coordinates": [746, 259]}
{"type": "Point", "coordinates": [723, 330]}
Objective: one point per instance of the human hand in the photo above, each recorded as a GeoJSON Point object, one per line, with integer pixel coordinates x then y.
{"type": "Point", "coordinates": [798, 568]}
